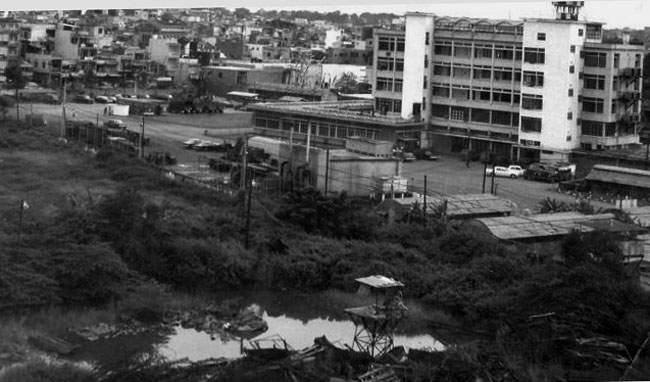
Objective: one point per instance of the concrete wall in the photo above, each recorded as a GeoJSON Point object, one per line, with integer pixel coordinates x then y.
{"type": "Point", "coordinates": [417, 28]}
{"type": "Point", "coordinates": [63, 45]}
{"type": "Point", "coordinates": [348, 172]}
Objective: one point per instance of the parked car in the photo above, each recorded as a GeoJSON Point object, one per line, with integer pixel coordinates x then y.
{"type": "Point", "coordinates": [115, 124]}
{"type": "Point", "coordinates": [206, 146]}
{"type": "Point", "coordinates": [426, 154]}
{"type": "Point", "coordinates": [408, 156]}
{"type": "Point", "coordinates": [83, 98]}
{"type": "Point", "coordinates": [547, 173]}
{"type": "Point", "coordinates": [191, 142]}
{"type": "Point", "coordinates": [51, 98]}
{"type": "Point", "coordinates": [125, 95]}
{"type": "Point", "coordinates": [163, 97]}
{"type": "Point", "coordinates": [102, 99]}
{"type": "Point", "coordinates": [512, 171]}
{"type": "Point", "coordinates": [32, 85]}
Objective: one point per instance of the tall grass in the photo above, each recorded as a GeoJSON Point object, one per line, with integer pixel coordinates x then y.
{"type": "Point", "coordinates": [40, 369]}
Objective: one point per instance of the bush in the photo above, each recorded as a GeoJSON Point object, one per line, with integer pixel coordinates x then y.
{"type": "Point", "coordinates": [43, 370]}
{"type": "Point", "coordinates": [89, 273]}
{"type": "Point", "coordinates": [146, 303]}
{"type": "Point", "coordinates": [25, 285]}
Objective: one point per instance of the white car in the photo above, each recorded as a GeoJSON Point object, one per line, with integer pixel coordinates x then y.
{"type": "Point", "coordinates": [512, 171]}
{"type": "Point", "coordinates": [191, 142]}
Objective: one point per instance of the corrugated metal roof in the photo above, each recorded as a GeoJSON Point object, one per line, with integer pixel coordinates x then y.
{"type": "Point", "coordinates": [540, 226]}
{"type": "Point", "coordinates": [620, 175]}
{"type": "Point", "coordinates": [640, 215]}
{"type": "Point", "coordinates": [378, 281]}
{"type": "Point", "coordinates": [463, 205]}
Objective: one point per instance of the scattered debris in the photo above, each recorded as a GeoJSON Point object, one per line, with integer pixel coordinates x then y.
{"type": "Point", "coordinates": [52, 344]}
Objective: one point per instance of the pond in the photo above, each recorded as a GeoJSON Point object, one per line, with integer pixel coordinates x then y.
{"type": "Point", "coordinates": [298, 318]}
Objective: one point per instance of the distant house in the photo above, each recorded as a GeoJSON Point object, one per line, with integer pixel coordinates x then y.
{"type": "Point", "coordinates": [619, 180]}
{"type": "Point", "coordinates": [460, 207]}
{"type": "Point", "coordinates": [541, 235]}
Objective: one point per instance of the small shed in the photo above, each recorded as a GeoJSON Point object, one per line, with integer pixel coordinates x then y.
{"type": "Point", "coordinates": [542, 234]}
{"type": "Point", "coordinates": [461, 206]}
{"type": "Point", "coordinates": [620, 180]}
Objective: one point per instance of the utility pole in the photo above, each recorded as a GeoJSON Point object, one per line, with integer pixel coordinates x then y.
{"type": "Point", "coordinates": [291, 159]}
{"type": "Point", "coordinates": [244, 160]}
{"type": "Point", "coordinates": [308, 140]}
{"type": "Point", "coordinates": [142, 138]}
{"type": "Point", "coordinates": [95, 135]}
{"type": "Point", "coordinates": [327, 169]}
{"type": "Point", "coordinates": [64, 123]}
{"type": "Point", "coordinates": [17, 102]}
{"type": "Point", "coordinates": [492, 185]}
{"type": "Point", "coordinates": [248, 211]}
{"type": "Point", "coordinates": [424, 204]}
{"type": "Point", "coordinates": [484, 174]}
{"type": "Point", "coordinates": [647, 151]}
{"type": "Point", "coordinates": [23, 206]}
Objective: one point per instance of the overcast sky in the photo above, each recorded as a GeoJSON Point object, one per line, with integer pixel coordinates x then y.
{"type": "Point", "coordinates": [615, 13]}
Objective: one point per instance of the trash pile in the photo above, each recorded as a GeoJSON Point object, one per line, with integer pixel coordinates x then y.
{"type": "Point", "coordinates": [213, 319]}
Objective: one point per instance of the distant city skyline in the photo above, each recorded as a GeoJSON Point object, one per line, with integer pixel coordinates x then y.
{"type": "Point", "coordinates": [614, 13]}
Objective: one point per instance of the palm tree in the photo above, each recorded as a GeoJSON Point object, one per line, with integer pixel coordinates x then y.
{"type": "Point", "coordinates": [549, 206]}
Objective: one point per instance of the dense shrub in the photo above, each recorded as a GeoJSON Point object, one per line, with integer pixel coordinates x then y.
{"type": "Point", "coordinates": [210, 264]}
{"type": "Point", "coordinates": [337, 216]}
{"type": "Point", "coordinates": [89, 273]}
{"type": "Point", "coordinates": [45, 370]}
{"type": "Point", "coordinates": [25, 285]}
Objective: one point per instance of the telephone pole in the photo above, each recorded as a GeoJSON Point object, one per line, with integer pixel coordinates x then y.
{"type": "Point", "coordinates": [141, 138]}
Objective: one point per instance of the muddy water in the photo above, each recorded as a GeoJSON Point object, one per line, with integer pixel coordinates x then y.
{"type": "Point", "coordinates": [298, 318]}
{"type": "Point", "coordinates": [297, 333]}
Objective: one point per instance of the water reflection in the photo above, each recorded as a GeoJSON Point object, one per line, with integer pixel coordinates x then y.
{"type": "Point", "coordinates": [299, 334]}
{"type": "Point", "coordinates": [298, 318]}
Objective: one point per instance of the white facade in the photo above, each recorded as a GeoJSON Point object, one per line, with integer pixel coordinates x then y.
{"type": "Point", "coordinates": [333, 38]}
{"type": "Point", "coordinates": [331, 73]}
{"type": "Point", "coordinates": [554, 39]}
{"type": "Point", "coordinates": [419, 45]}
{"type": "Point", "coordinates": [537, 88]}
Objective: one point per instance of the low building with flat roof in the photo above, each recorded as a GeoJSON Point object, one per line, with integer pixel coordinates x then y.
{"type": "Point", "coordinates": [331, 123]}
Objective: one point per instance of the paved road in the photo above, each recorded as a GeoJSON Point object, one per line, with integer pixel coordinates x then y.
{"type": "Point", "coordinates": [166, 132]}
{"type": "Point", "coordinates": [447, 176]}
{"type": "Point", "coordinates": [450, 175]}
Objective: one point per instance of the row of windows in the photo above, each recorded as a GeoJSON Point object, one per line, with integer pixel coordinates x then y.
{"type": "Point", "coordinates": [531, 124]}
{"type": "Point", "coordinates": [532, 101]}
{"type": "Point", "coordinates": [480, 27]}
{"type": "Point", "coordinates": [390, 63]}
{"type": "Point", "coordinates": [391, 44]}
{"type": "Point", "coordinates": [466, 114]}
{"type": "Point", "coordinates": [475, 94]}
{"type": "Point", "coordinates": [593, 105]}
{"type": "Point", "coordinates": [533, 79]}
{"type": "Point", "coordinates": [318, 128]}
{"type": "Point", "coordinates": [389, 84]}
{"type": "Point", "coordinates": [592, 81]}
{"type": "Point", "coordinates": [600, 129]}
{"type": "Point", "coordinates": [534, 55]}
{"type": "Point", "coordinates": [479, 73]}
{"type": "Point", "coordinates": [387, 105]}
{"type": "Point", "coordinates": [499, 52]}
{"type": "Point", "coordinates": [595, 59]}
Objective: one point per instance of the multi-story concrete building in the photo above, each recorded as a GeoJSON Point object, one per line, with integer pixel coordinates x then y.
{"type": "Point", "coordinates": [9, 45]}
{"type": "Point", "coordinates": [537, 88]}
